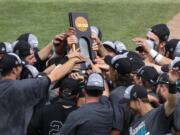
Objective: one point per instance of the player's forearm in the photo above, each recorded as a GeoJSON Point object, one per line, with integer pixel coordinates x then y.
{"type": "Point", "coordinates": [157, 67]}
{"type": "Point", "coordinates": [170, 104]}
{"type": "Point", "coordinates": [45, 52]}
{"type": "Point", "coordinates": [102, 51]}
{"type": "Point", "coordinates": [106, 89]}
{"type": "Point", "coordinates": [160, 59]}
{"type": "Point", "coordinates": [49, 69]}
{"type": "Point", "coordinates": [61, 70]}
{"type": "Point", "coordinates": [165, 61]}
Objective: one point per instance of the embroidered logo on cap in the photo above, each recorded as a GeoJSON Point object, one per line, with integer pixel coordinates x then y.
{"type": "Point", "coordinates": [3, 49]}
{"type": "Point", "coordinates": [116, 65]}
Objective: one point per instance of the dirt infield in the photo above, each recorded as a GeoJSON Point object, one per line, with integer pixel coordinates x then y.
{"type": "Point", "coordinates": [174, 26]}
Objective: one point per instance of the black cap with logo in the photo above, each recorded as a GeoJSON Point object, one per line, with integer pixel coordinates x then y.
{"type": "Point", "coordinates": [160, 30]}
{"type": "Point", "coordinates": [9, 61]}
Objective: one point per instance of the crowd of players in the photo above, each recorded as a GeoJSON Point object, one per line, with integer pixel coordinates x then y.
{"type": "Point", "coordinates": [122, 92]}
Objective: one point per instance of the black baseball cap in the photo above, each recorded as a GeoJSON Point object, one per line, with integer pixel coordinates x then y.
{"type": "Point", "coordinates": [175, 63]}
{"type": "Point", "coordinates": [117, 46]}
{"type": "Point", "coordinates": [130, 62]}
{"type": "Point", "coordinates": [109, 44]}
{"type": "Point", "coordinates": [173, 47]}
{"type": "Point", "coordinates": [30, 38]}
{"type": "Point", "coordinates": [69, 87]}
{"type": "Point", "coordinates": [134, 92]}
{"type": "Point", "coordinates": [9, 61]}
{"type": "Point", "coordinates": [94, 81]}
{"type": "Point", "coordinates": [160, 30]}
{"type": "Point", "coordinates": [22, 49]}
{"type": "Point", "coordinates": [136, 61]}
{"type": "Point", "coordinates": [148, 73]}
{"type": "Point", "coordinates": [121, 63]}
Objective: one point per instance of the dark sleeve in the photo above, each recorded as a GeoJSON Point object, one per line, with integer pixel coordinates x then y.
{"type": "Point", "coordinates": [160, 120]}
{"type": "Point", "coordinates": [40, 65]}
{"type": "Point", "coordinates": [35, 125]}
{"type": "Point", "coordinates": [71, 124]}
{"type": "Point", "coordinates": [176, 116]}
{"type": "Point", "coordinates": [57, 61]}
{"type": "Point", "coordinates": [32, 90]}
{"type": "Point", "coordinates": [119, 118]}
{"type": "Point", "coordinates": [104, 100]}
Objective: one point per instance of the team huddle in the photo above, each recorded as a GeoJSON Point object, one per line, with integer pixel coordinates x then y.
{"type": "Point", "coordinates": [122, 92]}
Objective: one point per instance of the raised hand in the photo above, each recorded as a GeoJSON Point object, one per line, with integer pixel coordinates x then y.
{"type": "Point", "coordinates": [173, 76]}
{"type": "Point", "coordinates": [72, 40]}
{"type": "Point", "coordinates": [58, 39]}
{"type": "Point", "coordinates": [77, 56]}
{"type": "Point", "coordinates": [141, 42]}
{"type": "Point", "coordinates": [77, 76]}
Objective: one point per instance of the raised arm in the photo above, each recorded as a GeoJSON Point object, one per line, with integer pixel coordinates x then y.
{"type": "Point", "coordinates": [160, 59]}
{"type": "Point", "coordinates": [172, 97]}
{"type": "Point", "coordinates": [101, 50]}
{"type": "Point", "coordinates": [61, 70]}
{"type": "Point", "coordinates": [45, 52]}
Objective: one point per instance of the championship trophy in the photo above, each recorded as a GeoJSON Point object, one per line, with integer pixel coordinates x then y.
{"type": "Point", "coordinates": [82, 28]}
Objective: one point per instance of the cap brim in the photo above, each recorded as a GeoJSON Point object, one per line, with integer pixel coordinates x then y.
{"type": "Point", "coordinates": [109, 44]}
{"type": "Point", "coordinates": [89, 88]}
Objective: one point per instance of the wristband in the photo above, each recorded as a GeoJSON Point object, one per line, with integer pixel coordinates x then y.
{"type": "Point", "coordinates": [172, 89]}
{"type": "Point", "coordinates": [153, 53]}
{"type": "Point", "coordinates": [158, 58]}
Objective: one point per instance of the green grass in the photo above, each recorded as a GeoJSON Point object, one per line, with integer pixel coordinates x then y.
{"type": "Point", "coordinates": [118, 19]}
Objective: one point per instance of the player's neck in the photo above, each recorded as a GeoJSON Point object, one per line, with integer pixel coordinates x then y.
{"type": "Point", "coordinates": [146, 108]}
{"type": "Point", "coordinates": [8, 77]}
{"type": "Point", "coordinates": [91, 99]}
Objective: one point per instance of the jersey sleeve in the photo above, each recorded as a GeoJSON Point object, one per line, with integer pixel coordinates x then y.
{"type": "Point", "coordinates": [31, 91]}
